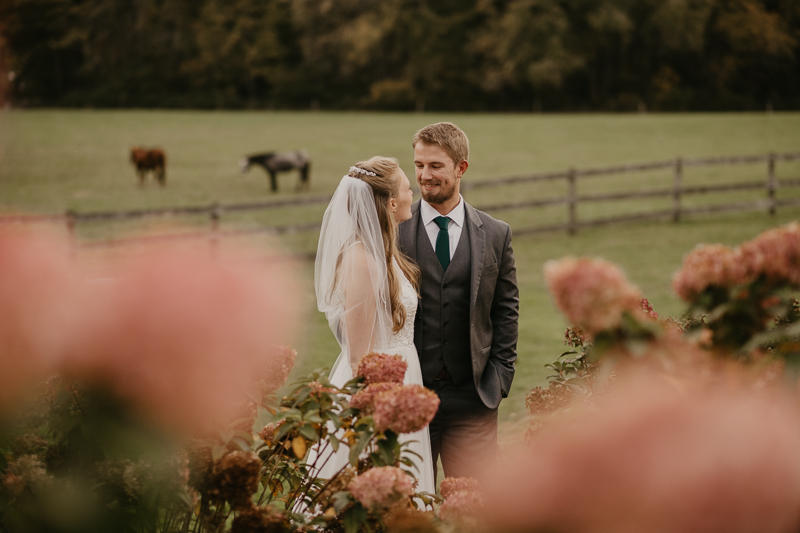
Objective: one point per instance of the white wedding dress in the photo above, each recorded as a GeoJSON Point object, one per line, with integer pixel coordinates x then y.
{"type": "Point", "coordinates": [351, 257]}
{"type": "Point", "coordinates": [402, 344]}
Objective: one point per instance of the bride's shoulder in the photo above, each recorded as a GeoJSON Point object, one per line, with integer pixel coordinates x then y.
{"type": "Point", "coordinates": [357, 259]}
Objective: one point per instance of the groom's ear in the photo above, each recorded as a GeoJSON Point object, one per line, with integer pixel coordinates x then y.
{"type": "Point", "coordinates": [462, 167]}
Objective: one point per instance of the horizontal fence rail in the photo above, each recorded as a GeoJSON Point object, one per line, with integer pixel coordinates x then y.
{"type": "Point", "coordinates": [770, 184]}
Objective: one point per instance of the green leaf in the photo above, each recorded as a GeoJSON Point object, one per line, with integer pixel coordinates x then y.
{"type": "Point", "coordinates": [334, 442]}
{"type": "Point", "coordinates": [354, 517]}
{"type": "Point", "coordinates": [285, 429]}
{"type": "Point", "coordinates": [356, 450]}
{"type": "Point", "coordinates": [341, 500]}
{"type": "Point", "coordinates": [333, 417]}
{"type": "Point", "coordinates": [308, 431]}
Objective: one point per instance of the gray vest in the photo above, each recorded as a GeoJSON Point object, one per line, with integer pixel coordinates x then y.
{"type": "Point", "coordinates": [444, 299]}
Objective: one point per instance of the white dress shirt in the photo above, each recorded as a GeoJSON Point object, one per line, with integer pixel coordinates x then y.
{"type": "Point", "coordinates": [454, 227]}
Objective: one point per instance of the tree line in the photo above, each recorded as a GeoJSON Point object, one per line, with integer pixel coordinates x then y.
{"type": "Point", "coordinates": [470, 55]}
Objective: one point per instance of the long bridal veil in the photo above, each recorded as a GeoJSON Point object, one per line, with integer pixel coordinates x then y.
{"type": "Point", "coordinates": [350, 275]}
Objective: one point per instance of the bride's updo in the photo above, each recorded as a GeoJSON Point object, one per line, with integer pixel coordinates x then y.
{"type": "Point", "coordinates": [385, 186]}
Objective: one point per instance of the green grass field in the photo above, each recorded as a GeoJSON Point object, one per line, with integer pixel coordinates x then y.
{"type": "Point", "coordinates": [51, 161]}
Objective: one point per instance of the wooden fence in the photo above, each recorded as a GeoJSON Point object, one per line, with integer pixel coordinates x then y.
{"type": "Point", "coordinates": [677, 191]}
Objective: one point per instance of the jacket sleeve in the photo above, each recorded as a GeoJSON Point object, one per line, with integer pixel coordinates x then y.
{"type": "Point", "coordinates": [505, 317]}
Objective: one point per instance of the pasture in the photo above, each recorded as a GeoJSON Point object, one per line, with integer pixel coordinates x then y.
{"type": "Point", "coordinates": [52, 161]}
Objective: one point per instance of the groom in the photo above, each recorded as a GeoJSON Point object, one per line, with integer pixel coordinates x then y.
{"type": "Point", "coordinates": [465, 330]}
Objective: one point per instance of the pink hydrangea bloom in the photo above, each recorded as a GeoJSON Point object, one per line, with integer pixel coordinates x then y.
{"type": "Point", "coordinates": [405, 409]}
{"type": "Point", "coordinates": [37, 284]}
{"type": "Point", "coordinates": [592, 293]}
{"type": "Point", "coordinates": [184, 336]}
{"type": "Point", "coordinates": [451, 485]}
{"type": "Point", "coordinates": [365, 398]}
{"type": "Point", "coordinates": [705, 266]}
{"type": "Point", "coordinates": [461, 506]}
{"type": "Point", "coordinates": [380, 368]}
{"type": "Point", "coordinates": [776, 254]}
{"type": "Point", "coordinates": [715, 452]}
{"type": "Point", "coordinates": [380, 488]}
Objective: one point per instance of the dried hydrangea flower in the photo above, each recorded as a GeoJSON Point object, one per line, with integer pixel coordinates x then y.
{"type": "Point", "coordinates": [705, 266]}
{"type": "Point", "coordinates": [592, 293]}
{"type": "Point", "coordinates": [365, 398]}
{"type": "Point", "coordinates": [405, 409]}
{"type": "Point", "coordinates": [26, 471]}
{"type": "Point", "coordinates": [380, 488]}
{"type": "Point", "coordinates": [267, 433]}
{"type": "Point", "coordinates": [235, 478]}
{"type": "Point", "coordinates": [776, 254]}
{"type": "Point", "coordinates": [381, 368]}
{"type": "Point", "coordinates": [451, 485]}
{"type": "Point", "coordinates": [462, 506]}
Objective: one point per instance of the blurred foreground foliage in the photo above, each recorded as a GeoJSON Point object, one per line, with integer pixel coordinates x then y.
{"type": "Point", "coordinates": [742, 308]}
{"type": "Point", "coordinates": [519, 55]}
{"type": "Point", "coordinates": [76, 459]}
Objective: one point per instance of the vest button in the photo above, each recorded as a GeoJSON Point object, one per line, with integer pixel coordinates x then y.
{"type": "Point", "coordinates": [445, 304]}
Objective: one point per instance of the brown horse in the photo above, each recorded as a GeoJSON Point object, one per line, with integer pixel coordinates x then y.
{"type": "Point", "coordinates": [150, 160]}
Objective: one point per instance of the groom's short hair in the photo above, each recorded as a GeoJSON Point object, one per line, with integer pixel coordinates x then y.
{"type": "Point", "coordinates": [446, 135]}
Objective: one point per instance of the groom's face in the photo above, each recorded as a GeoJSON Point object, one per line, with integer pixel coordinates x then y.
{"type": "Point", "coordinates": [438, 176]}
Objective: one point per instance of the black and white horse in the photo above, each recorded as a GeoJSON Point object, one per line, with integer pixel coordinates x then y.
{"type": "Point", "coordinates": [274, 162]}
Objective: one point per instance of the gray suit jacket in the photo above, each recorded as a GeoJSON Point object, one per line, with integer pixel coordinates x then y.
{"type": "Point", "coordinates": [494, 300]}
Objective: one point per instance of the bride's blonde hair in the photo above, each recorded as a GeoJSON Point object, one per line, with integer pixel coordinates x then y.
{"type": "Point", "coordinates": [385, 186]}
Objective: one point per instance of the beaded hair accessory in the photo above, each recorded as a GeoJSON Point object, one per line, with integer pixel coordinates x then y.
{"type": "Point", "coordinates": [362, 171]}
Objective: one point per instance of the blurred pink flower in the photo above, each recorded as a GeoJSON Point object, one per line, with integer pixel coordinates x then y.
{"type": "Point", "coordinates": [660, 454]}
{"type": "Point", "coordinates": [464, 506]}
{"type": "Point", "coordinates": [451, 485]}
{"type": "Point", "coordinates": [381, 368]}
{"type": "Point", "coordinates": [365, 398]}
{"type": "Point", "coordinates": [380, 488]}
{"type": "Point", "coordinates": [36, 295]}
{"type": "Point", "coordinates": [405, 409]}
{"type": "Point", "coordinates": [280, 366]}
{"type": "Point", "coordinates": [705, 266]}
{"type": "Point", "coordinates": [592, 293]}
{"type": "Point", "coordinates": [184, 336]}
{"type": "Point", "coordinates": [774, 253]}
{"type": "Point", "coordinates": [26, 471]}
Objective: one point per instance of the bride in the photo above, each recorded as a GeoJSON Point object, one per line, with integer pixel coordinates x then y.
{"type": "Point", "coordinates": [367, 288]}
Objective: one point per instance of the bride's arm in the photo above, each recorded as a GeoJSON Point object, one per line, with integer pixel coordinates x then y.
{"type": "Point", "coordinates": [360, 306]}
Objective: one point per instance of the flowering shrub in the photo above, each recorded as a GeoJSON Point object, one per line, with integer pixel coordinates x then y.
{"type": "Point", "coordinates": [462, 507]}
{"type": "Point", "coordinates": [740, 307]}
{"type": "Point", "coordinates": [451, 485]}
{"type": "Point", "coordinates": [662, 452]}
{"type": "Point", "coordinates": [382, 368]}
{"type": "Point", "coordinates": [593, 293]}
{"type": "Point", "coordinates": [364, 399]}
{"type": "Point", "coordinates": [381, 488]}
{"type": "Point", "coordinates": [742, 296]}
{"type": "Point", "coordinates": [404, 409]}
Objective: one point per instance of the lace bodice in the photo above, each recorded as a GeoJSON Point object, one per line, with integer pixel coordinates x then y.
{"type": "Point", "coordinates": [408, 297]}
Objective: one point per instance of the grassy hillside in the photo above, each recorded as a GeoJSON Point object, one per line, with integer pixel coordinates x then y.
{"type": "Point", "coordinates": [51, 161]}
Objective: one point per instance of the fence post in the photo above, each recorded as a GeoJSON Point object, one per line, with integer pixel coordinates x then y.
{"type": "Point", "coordinates": [771, 182]}
{"type": "Point", "coordinates": [677, 190]}
{"type": "Point", "coordinates": [214, 214]}
{"type": "Point", "coordinates": [69, 218]}
{"type": "Point", "coordinates": [571, 201]}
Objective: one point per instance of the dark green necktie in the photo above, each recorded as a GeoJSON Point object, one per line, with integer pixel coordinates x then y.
{"type": "Point", "coordinates": [443, 241]}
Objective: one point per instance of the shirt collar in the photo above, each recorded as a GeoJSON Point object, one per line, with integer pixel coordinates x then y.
{"type": "Point", "coordinates": [428, 212]}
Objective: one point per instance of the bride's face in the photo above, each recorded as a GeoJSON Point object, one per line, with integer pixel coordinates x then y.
{"type": "Point", "coordinates": [401, 205]}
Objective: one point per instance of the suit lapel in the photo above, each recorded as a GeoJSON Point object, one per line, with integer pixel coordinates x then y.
{"type": "Point", "coordinates": [477, 243]}
{"type": "Point", "coordinates": [411, 232]}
